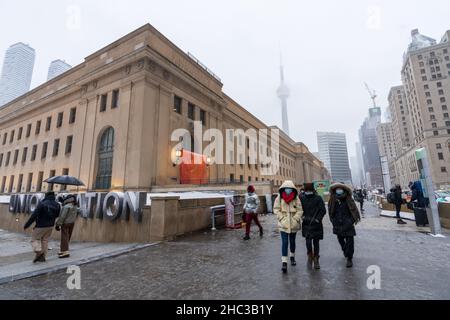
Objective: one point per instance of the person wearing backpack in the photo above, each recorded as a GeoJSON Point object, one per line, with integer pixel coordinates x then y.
{"type": "Point", "coordinates": [396, 199]}
{"type": "Point", "coordinates": [44, 216]}
{"type": "Point", "coordinates": [66, 223]}
{"type": "Point", "coordinates": [312, 227]}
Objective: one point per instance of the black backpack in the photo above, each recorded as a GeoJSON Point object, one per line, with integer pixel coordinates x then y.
{"type": "Point", "coordinates": [391, 197]}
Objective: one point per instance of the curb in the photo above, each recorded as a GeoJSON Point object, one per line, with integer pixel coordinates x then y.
{"type": "Point", "coordinates": [31, 274]}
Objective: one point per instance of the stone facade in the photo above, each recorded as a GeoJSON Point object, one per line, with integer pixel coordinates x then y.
{"type": "Point", "coordinates": [420, 110]}
{"type": "Point", "coordinates": [120, 106]}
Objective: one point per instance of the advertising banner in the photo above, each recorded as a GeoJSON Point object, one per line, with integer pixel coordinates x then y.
{"type": "Point", "coordinates": [229, 212]}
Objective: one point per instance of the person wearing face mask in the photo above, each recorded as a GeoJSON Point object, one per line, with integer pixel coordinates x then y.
{"type": "Point", "coordinates": [251, 211]}
{"type": "Point", "coordinates": [287, 208]}
{"type": "Point", "coordinates": [344, 215]}
{"type": "Point", "coordinates": [312, 227]}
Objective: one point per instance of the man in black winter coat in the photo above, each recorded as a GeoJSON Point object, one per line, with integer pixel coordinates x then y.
{"type": "Point", "coordinates": [44, 216]}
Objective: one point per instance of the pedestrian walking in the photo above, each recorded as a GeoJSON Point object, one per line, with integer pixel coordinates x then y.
{"type": "Point", "coordinates": [288, 210]}
{"type": "Point", "coordinates": [251, 207]}
{"type": "Point", "coordinates": [397, 200]}
{"type": "Point", "coordinates": [358, 195]}
{"type": "Point", "coordinates": [312, 228]}
{"type": "Point", "coordinates": [344, 215]}
{"type": "Point", "coordinates": [44, 217]}
{"type": "Point", "coordinates": [66, 223]}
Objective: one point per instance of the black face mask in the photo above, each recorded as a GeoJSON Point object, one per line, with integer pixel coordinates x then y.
{"type": "Point", "coordinates": [341, 196]}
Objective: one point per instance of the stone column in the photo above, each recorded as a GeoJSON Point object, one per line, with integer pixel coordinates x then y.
{"type": "Point", "coordinates": [164, 217]}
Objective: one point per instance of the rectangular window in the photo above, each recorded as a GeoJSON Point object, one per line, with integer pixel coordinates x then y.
{"type": "Point", "coordinates": [38, 127]}
{"type": "Point", "coordinates": [69, 141]}
{"type": "Point", "coordinates": [59, 122]}
{"type": "Point", "coordinates": [2, 190]}
{"type": "Point", "coordinates": [52, 174]}
{"type": "Point", "coordinates": [435, 133]}
{"type": "Point", "coordinates": [177, 101]}
{"type": "Point", "coordinates": [19, 134]}
{"type": "Point", "coordinates": [191, 109]}
{"type": "Point", "coordinates": [72, 116]}
{"type": "Point", "coordinates": [16, 156]}
{"type": "Point", "coordinates": [55, 148]}
{"type": "Point", "coordinates": [231, 177]}
{"type": "Point", "coordinates": [48, 124]}
{"type": "Point", "coordinates": [440, 156]}
{"type": "Point", "coordinates": [103, 102]}
{"type": "Point", "coordinates": [34, 152]}
{"type": "Point", "coordinates": [39, 181]}
{"type": "Point", "coordinates": [438, 146]}
{"type": "Point", "coordinates": [11, 184]}
{"type": "Point", "coordinates": [28, 130]}
{"type": "Point", "coordinates": [115, 99]}
{"type": "Point", "coordinates": [11, 137]}
{"type": "Point", "coordinates": [203, 117]}
{"type": "Point", "coordinates": [19, 183]}
{"type": "Point", "coordinates": [1, 159]}
{"type": "Point", "coordinates": [24, 155]}
{"type": "Point", "coordinates": [29, 182]}
{"type": "Point", "coordinates": [44, 150]}
{"type": "Point", "coordinates": [443, 169]}
{"type": "Point", "coordinates": [65, 172]}
{"type": "Point", "coordinates": [8, 156]}
{"type": "Point", "coordinates": [5, 136]}
{"type": "Point", "coordinates": [241, 179]}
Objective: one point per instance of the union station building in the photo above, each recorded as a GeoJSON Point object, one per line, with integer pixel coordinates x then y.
{"type": "Point", "coordinates": [109, 120]}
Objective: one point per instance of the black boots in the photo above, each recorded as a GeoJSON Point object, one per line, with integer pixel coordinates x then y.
{"type": "Point", "coordinates": [40, 257]}
{"type": "Point", "coordinates": [349, 263]}
{"type": "Point", "coordinates": [261, 233]}
{"type": "Point", "coordinates": [284, 267]}
{"type": "Point", "coordinates": [310, 260]}
{"type": "Point", "coordinates": [316, 262]}
{"type": "Point", "coordinates": [247, 237]}
{"type": "Point", "coordinates": [293, 262]}
{"type": "Point", "coordinates": [400, 221]}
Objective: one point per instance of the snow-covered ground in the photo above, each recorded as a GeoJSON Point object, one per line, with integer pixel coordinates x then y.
{"type": "Point", "coordinates": [188, 195]}
{"type": "Point", "coordinates": [404, 215]}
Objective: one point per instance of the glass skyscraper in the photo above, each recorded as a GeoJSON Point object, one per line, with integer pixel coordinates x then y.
{"type": "Point", "coordinates": [17, 71]}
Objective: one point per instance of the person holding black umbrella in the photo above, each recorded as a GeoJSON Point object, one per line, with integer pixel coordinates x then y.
{"type": "Point", "coordinates": [66, 223]}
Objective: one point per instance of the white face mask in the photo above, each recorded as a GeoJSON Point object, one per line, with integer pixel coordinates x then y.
{"type": "Point", "coordinates": [308, 193]}
{"type": "Point", "coordinates": [288, 191]}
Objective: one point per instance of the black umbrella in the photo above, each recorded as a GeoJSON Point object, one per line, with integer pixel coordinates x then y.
{"type": "Point", "coordinates": [65, 180]}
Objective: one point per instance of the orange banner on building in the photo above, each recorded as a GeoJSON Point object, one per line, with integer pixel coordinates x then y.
{"type": "Point", "coordinates": [193, 168]}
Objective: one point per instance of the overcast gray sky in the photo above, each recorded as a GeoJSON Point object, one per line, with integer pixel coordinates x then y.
{"type": "Point", "coordinates": [329, 47]}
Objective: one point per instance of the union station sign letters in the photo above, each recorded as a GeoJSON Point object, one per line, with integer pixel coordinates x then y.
{"type": "Point", "coordinates": [93, 205]}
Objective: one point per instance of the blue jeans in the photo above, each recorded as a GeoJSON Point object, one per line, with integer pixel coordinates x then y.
{"type": "Point", "coordinates": [287, 240]}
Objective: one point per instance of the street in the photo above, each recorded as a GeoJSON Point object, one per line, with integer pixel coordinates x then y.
{"type": "Point", "coordinates": [220, 265]}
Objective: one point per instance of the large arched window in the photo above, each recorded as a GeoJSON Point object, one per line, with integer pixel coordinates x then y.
{"type": "Point", "coordinates": [105, 154]}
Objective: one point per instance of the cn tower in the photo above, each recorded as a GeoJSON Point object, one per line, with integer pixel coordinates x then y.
{"type": "Point", "coordinates": [283, 93]}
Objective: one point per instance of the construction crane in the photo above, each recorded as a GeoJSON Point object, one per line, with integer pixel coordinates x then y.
{"type": "Point", "coordinates": [373, 94]}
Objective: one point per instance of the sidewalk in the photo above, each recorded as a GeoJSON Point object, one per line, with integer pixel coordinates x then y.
{"type": "Point", "coordinates": [220, 265]}
{"type": "Point", "coordinates": [16, 256]}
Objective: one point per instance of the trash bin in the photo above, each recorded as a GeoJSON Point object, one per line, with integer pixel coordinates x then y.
{"type": "Point", "coordinates": [420, 214]}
